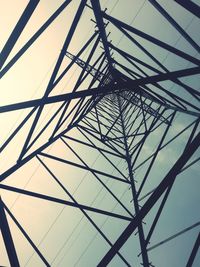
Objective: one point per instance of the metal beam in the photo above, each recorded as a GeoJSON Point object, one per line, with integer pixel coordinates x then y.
{"type": "Point", "coordinates": [87, 168]}
{"type": "Point", "coordinates": [99, 20]}
{"type": "Point", "coordinates": [190, 6]}
{"type": "Point", "coordinates": [174, 236]}
{"type": "Point", "coordinates": [152, 39]}
{"type": "Point", "coordinates": [28, 11]}
{"type": "Point", "coordinates": [62, 201]}
{"type": "Point", "coordinates": [122, 85]}
{"type": "Point", "coordinates": [175, 24]}
{"type": "Point", "coordinates": [33, 38]}
{"type": "Point", "coordinates": [26, 236]}
{"type": "Point", "coordinates": [145, 258]}
{"type": "Point", "coordinates": [194, 252]}
{"type": "Point", "coordinates": [7, 237]}
{"type": "Point", "coordinates": [166, 182]}
{"type": "Point", "coordinates": [53, 75]}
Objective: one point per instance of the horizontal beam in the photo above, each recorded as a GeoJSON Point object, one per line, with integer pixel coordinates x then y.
{"type": "Point", "coordinates": [119, 24]}
{"type": "Point", "coordinates": [92, 146]}
{"type": "Point", "coordinates": [166, 182]}
{"type": "Point", "coordinates": [61, 201]}
{"type": "Point", "coordinates": [107, 89]}
{"type": "Point", "coordinates": [83, 167]}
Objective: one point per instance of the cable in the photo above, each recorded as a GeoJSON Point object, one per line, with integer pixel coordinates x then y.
{"type": "Point", "coordinates": [174, 236]}
{"type": "Point", "coordinates": [40, 84]}
{"type": "Point", "coordinates": [139, 10]}
{"type": "Point", "coordinates": [93, 201]}
{"type": "Point", "coordinates": [57, 217]}
{"type": "Point", "coordinates": [81, 231]}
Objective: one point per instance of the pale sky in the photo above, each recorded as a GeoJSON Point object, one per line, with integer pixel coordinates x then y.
{"type": "Point", "coordinates": [61, 232]}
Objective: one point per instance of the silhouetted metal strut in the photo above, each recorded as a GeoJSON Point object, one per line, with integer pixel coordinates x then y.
{"type": "Point", "coordinates": [123, 108]}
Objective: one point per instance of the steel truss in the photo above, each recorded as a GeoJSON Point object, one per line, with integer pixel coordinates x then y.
{"type": "Point", "coordinates": [126, 107]}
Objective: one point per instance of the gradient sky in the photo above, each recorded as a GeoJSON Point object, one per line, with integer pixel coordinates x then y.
{"type": "Point", "coordinates": [50, 224]}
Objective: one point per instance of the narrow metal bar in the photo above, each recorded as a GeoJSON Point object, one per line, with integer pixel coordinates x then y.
{"type": "Point", "coordinates": [90, 69]}
{"type": "Point", "coordinates": [132, 73]}
{"type": "Point", "coordinates": [98, 122]}
{"type": "Point", "coordinates": [173, 236]}
{"type": "Point", "coordinates": [105, 186]}
{"type": "Point", "coordinates": [166, 182]}
{"type": "Point", "coordinates": [106, 143]}
{"type": "Point", "coordinates": [17, 129]}
{"type": "Point", "coordinates": [103, 90]}
{"type": "Point", "coordinates": [118, 117]}
{"type": "Point", "coordinates": [101, 69]}
{"type": "Point", "coordinates": [46, 126]}
{"type": "Point", "coordinates": [34, 38]}
{"type": "Point", "coordinates": [62, 201]}
{"type": "Point", "coordinates": [53, 75]}
{"type": "Point", "coordinates": [78, 83]}
{"type": "Point", "coordinates": [194, 252]}
{"type": "Point", "coordinates": [83, 167]}
{"type": "Point", "coordinates": [175, 24]}
{"type": "Point", "coordinates": [61, 121]}
{"type": "Point", "coordinates": [190, 6]}
{"type": "Point", "coordinates": [140, 144]}
{"type": "Point", "coordinates": [189, 165]}
{"type": "Point", "coordinates": [145, 258]}
{"type": "Point", "coordinates": [164, 145]}
{"type": "Point", "coordinates": [101, 151]}
{"type": "Point", "coordinates": [26, 236]}
{"type": "Point", "coordinates": [82, 210]}
{"type": "Point", "coordinates": [155, 220]}
{"type": "Point", "coordinates": [92, 146]}
{"type": "Point", "coordinates": [80, 110]}
{"type": "Point", "coordinates": [59, 78]}
{"type": "Point", "coordinates": [7, 237]}
{"type": "Point", "coordinates": [150, 38]}
{"type": "Point", "coordinates": [82, 114]}
{"type": "Point", "coordinates": [99, 20]}
{"type": "Point", "coordinates": [28, 11]}
{"type": "Point", "coordinates": [155, 155]}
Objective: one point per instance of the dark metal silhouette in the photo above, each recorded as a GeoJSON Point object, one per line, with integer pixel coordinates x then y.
{"type": "Point", "coordinates": [121, 108]}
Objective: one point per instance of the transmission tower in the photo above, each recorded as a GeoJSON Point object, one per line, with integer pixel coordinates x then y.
{"type": "Point", "coordinates": [105, 171]}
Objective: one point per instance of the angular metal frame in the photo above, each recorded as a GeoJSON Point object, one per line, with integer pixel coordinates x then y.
{"type": "Point", "coordinates": [121, 112]}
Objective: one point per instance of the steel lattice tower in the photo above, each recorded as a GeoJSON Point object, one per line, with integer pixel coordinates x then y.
{"type": "Point", "coordinates": [113, 156]}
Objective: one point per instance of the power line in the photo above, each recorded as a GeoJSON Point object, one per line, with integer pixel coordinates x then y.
{"type": "Point", "coordinates": [173, 236]}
